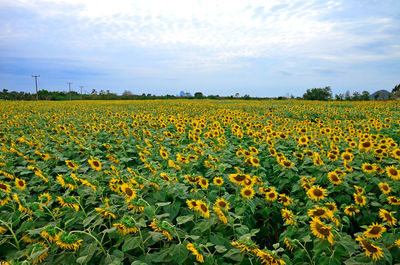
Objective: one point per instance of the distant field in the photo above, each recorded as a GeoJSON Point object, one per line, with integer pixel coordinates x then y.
{"type": "Point", "coordinates": [199, 181]}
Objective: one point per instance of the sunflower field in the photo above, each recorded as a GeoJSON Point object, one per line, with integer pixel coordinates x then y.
{"type": "Point", "coordinates": [199, 181]}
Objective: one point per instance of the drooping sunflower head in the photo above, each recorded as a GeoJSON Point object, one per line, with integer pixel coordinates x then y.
{"type": "Point", "coordinates": [44, 198]}
{"type": "Point", "coordinates": [68, 241]}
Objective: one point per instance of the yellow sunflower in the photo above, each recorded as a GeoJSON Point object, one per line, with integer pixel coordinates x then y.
{"type": "Point", "coordinates": [45, 198]}
{"type": "Point", "coordinates": [351, 210]}
{"type": "Point", "coordinates": [68, 241]}
{"type": "Point", "coordinates": [221, 203]}
{"type": "Point", "coordinates": [375, 231]}
{"type": "Point", "coordinates": [384, 187]}
{"type": "Point", "coordinates": [71, 164]}
{"type": "Point", "coordinates": [316, 193]}
{"type": "Point", "coordinates": [203, 209]}
{"type": "Point", "coordinates": [247, 193]}
{"type": "Point", "coordinates": [321, 230]}
{"type": "Point", "coordinates": [218, 181]}
{"type": "Point", "coordinates": [393, 172]}
{"type": "Point", "coordinates": [272, 195]}
{"type": "Point", "coordinates": [5, 187]}
{"type": "Point", "coordinates": [359, 199]}
{"type": "Point", "coordinates": [95, 164]}
{"type": "Point", "coordinates": [393, 200]}
{"type": "Point", "coordinates": [288, 216]}
{"type": "Point", "coordinates": [105, 213]}
{"type": "Point", "coordinates": [20, 183]}
{"type": "Point", "coordinates": [203, 183]}
{"type": "Point", "coordinates": [387, 217]}
{"type": "Point", "coordinates": [285, 199]}
{"type": "Point", "coordinates": [370, 249]}
{"type": "Point", "coordinates": [129, 192]}
{"type": "Point", "coordinates": [368, 168]}
{"type": "Point", "coordinates": [334, 178]}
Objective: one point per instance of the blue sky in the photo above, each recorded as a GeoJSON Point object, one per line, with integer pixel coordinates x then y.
{"type": "Point", "coordinates": [260, 47]}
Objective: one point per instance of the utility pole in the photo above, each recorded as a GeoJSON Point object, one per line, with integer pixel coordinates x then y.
{"type": "Point", "coordinates": [69, 89]}
{"type": "Point", "coordinates": [81, 91]}
{"type": "Point", "coordinates": [36, 76]}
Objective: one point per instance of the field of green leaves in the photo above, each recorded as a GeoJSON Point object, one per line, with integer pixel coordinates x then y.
{"type": "Point", "coordinates": [191, 182]}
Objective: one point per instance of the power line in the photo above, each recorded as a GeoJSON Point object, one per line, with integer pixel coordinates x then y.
{"type": "Point", "coordinates": [69, 89]}
{"type": "Point", "coordinates": [36, 76]}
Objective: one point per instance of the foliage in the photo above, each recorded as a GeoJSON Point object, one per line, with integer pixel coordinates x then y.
{"type": "Point", "coordinates": [189, 182]}
{"type": "Point", "coordinates": [318, 93]}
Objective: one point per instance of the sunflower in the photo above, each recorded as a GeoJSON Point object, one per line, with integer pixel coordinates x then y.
{"type": "Point", "coordinates": [320, 212]}
{"type": "Point", "coordinates": [218, 181]}
{"type": "Point", "coordinates": [105, 213]}
{"type": "Point", "coordinates": [375, 231]}
{"type": "Point", "coordinates": [129, 192]}
{"type": "Point", "coordinates": [288, 216]}
{"type": "Point", "coordinates": [359, 199]}
{"type": "Point", "coordinates": [5, 187]}
{"type": "Point", "coordinates": [271, 195]}
{"type": "Point", "coordinates": [298, 155]}
{"type": "Point", "coordinates": [49, 233]}
{"type": "Point", "coordinates": [359, 190]}
{"type": "Point", "coordinates": [316, 193]}
{"type": "Point", "coordinates": [368, 168]}
{"type": "Point", "coordinates": [163, 153]}
{"type": "Point", "coordinates": [253, 150]}
{"type": "Point", "coordinates": [334, 178]}
{"type": "Point", "coordinates": [286, 163]}
{"type": "Point", "coordinates": [126, 226]}
{"type": "Point", "coordinates": [254, 161]}
{"type": "Point", "coordinates": [393, 172]}
{"type": "Point", "coordinates": [247, 193]}
{"type": "Point", "coordinates": [161, 227]}
{"type": "Point", "coordinates": [388, 217]}
{"type": "Point", "coordinates": [269, 258]}
{"type": "Point", "coordinates": [289, 245]}
{"type": "Point", "coordinates": [192, 204]}
{"type": "Point", "coordinates": [393, 200]}
{"type": "Point", "coordinates": [221, 203]}
{"type": "Point", "coordinates": [348, 167]}
{"type": "Point", "coordinates": [203, 183]}
{"type": "Point", "coordinates": [370, 249]}
{"type": "Point", "coordinates": [396, 153]}
{"type": "Point", "coordinates": [68, 202]}
{"type": "Point", "coordinates": [44, 198]}
{"type": "Point", "coordinates": [331, 206]}
{"type": "Point", "coordinates": [351, 210]}
{"type": "Point", "coordinates": [195, 252]}
{"type": "Point", "coordinates": [203, 209]}
{"type": "Point", "coordinates": [42, 249]}
{"type": "Point", "coordinates": [384, 187]}
{"type": "Point", "coordinates": [321, 230]}
{"type": "Point", "coordinates": [285, 199]}
{"type": "Point", "coordinates": [71, 164]}
{"type": "Point", "coordinates": [95, 164]}
{"type": "Point", "coordinates": [20, 183]}
{"type": "Point", "coordinates": [238, 179]}
{"type": "Point", "coordinates": [220, 214]}
{"type": "Point", "coordinates": [365, 145]}
{"type": "Point", "coordinates": [4, 200]}
{"type": "Point", "coordinates": [68, 241]}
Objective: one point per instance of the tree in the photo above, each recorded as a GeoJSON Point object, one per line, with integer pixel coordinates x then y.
{"type": "Point", "coordinates": [127, 93]}
{"type": "Point", "coordinates": [396, 91]}
{"type": "Point", "coordinates": [365, 95]}
{"type": "Point", "coordinates": [339, 97]}
{"type": "Point", "coordinates": [347, 95]}
{"type": "Point", "coordinates": [198, 95]}
{"type": "Point", "coordinates": [356, 96]}
{"type": "Point", "coordinates": [318, 93]}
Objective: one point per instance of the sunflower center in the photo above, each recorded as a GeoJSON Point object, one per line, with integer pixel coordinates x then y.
{"type": "Point", "coordinates": [366, 144]}
{"type": "Point", "coordinates": [393, 172]}
{"type": "Point", "coordinates": [335, 178]}
{"type": "Point", "coordinates": [322, 229]}
{"type": "Point", "coordinates": [368, 167]}
{"type": "Point", "coordinates": [247, 192]}
{"type": "Point", "coordinates": [360, 199]}
{"type": "Point", "coordinates": [271, 195]}
{"type": "Point", "coordinates": [388, 217]}
{"type": "Point", "coordinates": [96, 164]}
{"type": "Point", "coordinates": [21, 183]}
{"type": "Point", "coordinates": [318, 192]}
{"type": "Point", "coordinates": [203, 208]}
{"type": "Point", "coordinates": [3, 186]}
{"type": "Point", "coordinates": [375, 230]}
{"type": "Point", "coordinates": [319, 212]}
{"type": "Point", "coordinates": [128, 192]}
{"type": "Point", "coordinates": [240, 177]}
{"type": "Point", "coordinates": [370, 247]}
{"type": "Point", "coordinates": [222, 204]}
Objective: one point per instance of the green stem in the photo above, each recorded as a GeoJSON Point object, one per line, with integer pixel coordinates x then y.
{"type": "Point", "coordinates": [12, 232]}
{"type": "Point", "coordinates": [141, 239]}
{"type": "Point", "coordinates": [92, 236]}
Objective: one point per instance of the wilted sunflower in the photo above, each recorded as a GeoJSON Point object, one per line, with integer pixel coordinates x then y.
{"type": "Point", "coordinates": [289, 245]}
{"type": "Point", "coordinates": [95, 164]}
{"type": "Point", "coordinates": [68, 202]}
{"type": "Point", "coordinates": [384, 187]}
{"type": "Point", "coordinates": [218, 181]}
{"type": "Point", "coordinates": [68, 241]}
{"type": "Point", "coordinates": [71, 164]}
{"type": "Point", "coordinates": [42, 249]}
{"type": "Point", "coordinates": [359, 199]}
{"type": "Point", "coordinates": [247, 193]}
{"type": "Point", "coordinates": [316, 193]}
{"type": "Point", "coordinates": [20, 183]}
{"type": "Point", "coordinates": [126, 226]}
{"type": "Point", "coordinates": [393, 172]}
{"type": "Point", "coordinates": [388, 217]}
{"type": "Point", "coordinates": [351, 210]}
{"type": "Point", "coordinates": [49, 233]}
{"type": "Point", "coordinates": [105, 213]}
{"type": "Point", "coordinates": [195, 252]}
{"type": "Point", "coordinates": [321, 230]}
{"type": "Point", "coordinates": [370, 249]}
{"type": "Point", "coordinates": [44, 198]}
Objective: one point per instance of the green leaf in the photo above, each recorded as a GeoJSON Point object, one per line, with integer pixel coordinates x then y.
{"type": "Point", "coordinates": [184, 219]}
{"type": "Point", "coordinates": [179, 253]}
{"type": "Point", "coordinates": [220, 249]}
{"type": "Point", "coordinates": [131, 243]}
{"type": "Point", "coordinates": [161, 204]}
{"type": "Point", "coordinates": [234, 254]}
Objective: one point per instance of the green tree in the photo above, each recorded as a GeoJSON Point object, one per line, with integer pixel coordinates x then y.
{"type": "Point", "coordinates": [318, 93]}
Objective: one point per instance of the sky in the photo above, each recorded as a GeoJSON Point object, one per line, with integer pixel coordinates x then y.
{"type": "Point", "coordinates": [264, 48]}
